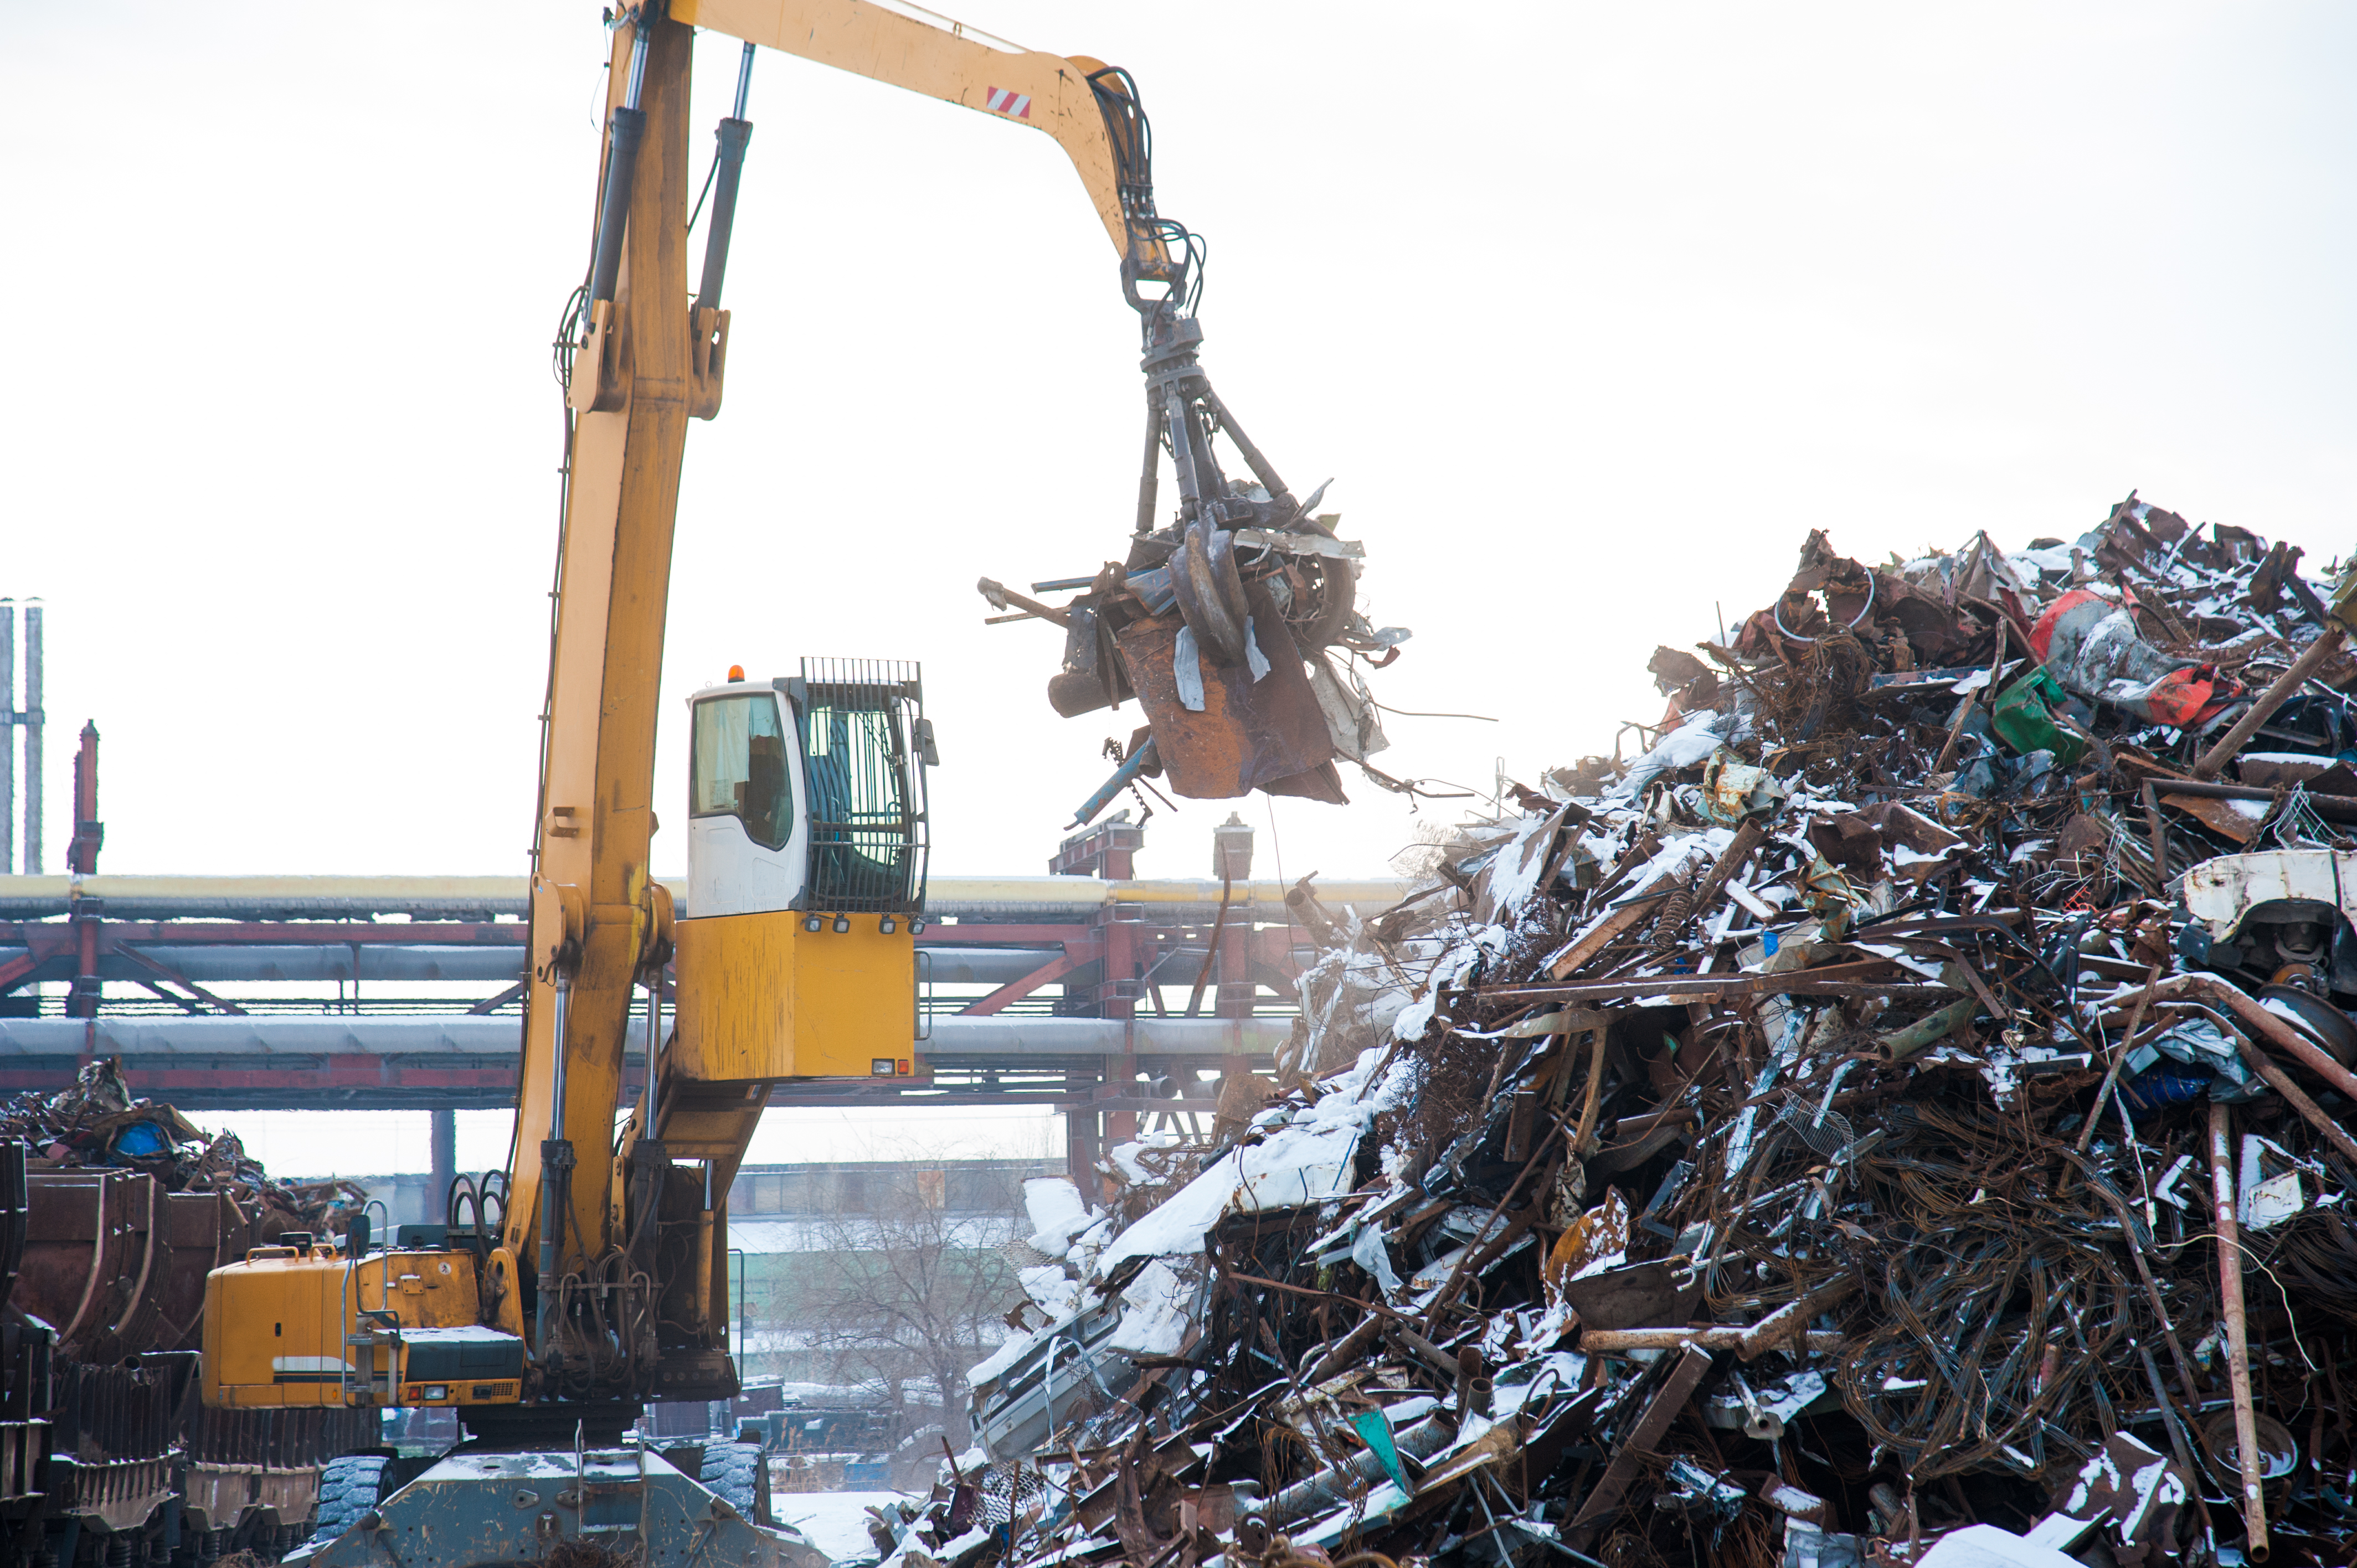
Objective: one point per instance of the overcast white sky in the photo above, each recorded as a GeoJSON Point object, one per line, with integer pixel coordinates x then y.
{"type": "Point", "coordinates": [1592, 311]}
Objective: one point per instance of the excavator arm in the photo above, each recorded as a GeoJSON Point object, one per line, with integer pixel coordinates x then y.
{"type": "Point", "coordinates": [588, 1213]}
{"type": "Point", "coordinates": [1091, 109]}
{"type": "Point", "coordinates": [601, 1281]}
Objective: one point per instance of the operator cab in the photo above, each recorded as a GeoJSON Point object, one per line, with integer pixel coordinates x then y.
{"type": "Point", "coordinates": [808, 792]}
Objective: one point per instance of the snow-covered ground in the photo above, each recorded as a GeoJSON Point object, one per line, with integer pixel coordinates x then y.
{"type": "Point", "coordinates": [836, 1523]}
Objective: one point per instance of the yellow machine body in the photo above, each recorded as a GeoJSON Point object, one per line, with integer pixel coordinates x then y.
{"type": "Point", "coordinates": [307, 1325]}
{"type": "Point", "coordinates": [762, 997]}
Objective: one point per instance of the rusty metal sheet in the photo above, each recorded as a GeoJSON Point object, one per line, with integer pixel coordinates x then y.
{"type": "Point", "coordinates": [118, 1264]}
{"type": "Point", "coordinates": [1630, 1296]}
{"type": "Point", "coordinates": [1251, 734]}
{"type": "Point", "coordinates": [2219, 817]}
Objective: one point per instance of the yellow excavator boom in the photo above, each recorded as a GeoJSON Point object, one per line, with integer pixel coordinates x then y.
{"type": "Point", "coordinates": [603, 1282]}
{"type": "Point", "coordinates": [912, 48]}
{"type": "Point", "coordinates": [645, 361]}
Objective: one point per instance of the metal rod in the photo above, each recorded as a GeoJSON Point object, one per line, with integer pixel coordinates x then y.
{"type": "Point", "coordinates": [1137, 762]}
{"type": "Point", "coordinates": [1181, 421]}
{"type": "Point", "coordinates": [2119, 1056]}
{"type": "Point", "coordinates": [2215, 760]}
{"type": "Point", "coordinates": [1212, 949]}
{"type": "Point", "coordinates": [744, 78]}
{"type": "Point", "coordinates": [1956, 725]}
{"type": "Point", "coordinates": [2331, 808]}
{"type": "Point", "coordinates": [743, 1313]}
{"type": "Point", "coordinates": [704, 1256]}
{"type": "Point", "coordinates": [2177, 1440]}
{"type": "Point", "coordinates": [1581, 1144]}
{"type": "Point", "coordinates": [1263, 470]}
{"type": "Point", "coordinates": [637, 81]}
{"type": "Point", "coordinates": [1149, 470]}
{"type": "Point", "coordinates": [655, 1046]}
{"type": "Point", "coordinates": [2297, 1097]}
{"type": "Point", "coordinates": [556, 1098]}
{"type": "Point", "coordinates": [2277, 1030]}
{"type": "Point", "coordinates": [2238, 1348]}
{"type": "Point", "coordinates": [1607, 1340]}
{"type": "Point", "coordinates": [551, 1199]}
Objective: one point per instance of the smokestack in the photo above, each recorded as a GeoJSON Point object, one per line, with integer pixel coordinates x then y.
{"type": "Point", "coordinates": [32, 719]}
{"type": "Point", "coordinates": [8, 737]}
{"type": "Point", "coordinates": [442, 1161]}
{"type": "Point", "coordinates": [90, 833]}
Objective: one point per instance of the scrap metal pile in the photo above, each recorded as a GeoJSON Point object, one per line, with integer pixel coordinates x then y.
{"type": "Point", "coordinates": [1902, 1116]}
{"type": "Point", "coordinates": [98, 1124]}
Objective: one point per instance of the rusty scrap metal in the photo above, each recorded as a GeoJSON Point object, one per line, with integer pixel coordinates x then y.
{"type": "Point", "coordinates": [1808, 1136]}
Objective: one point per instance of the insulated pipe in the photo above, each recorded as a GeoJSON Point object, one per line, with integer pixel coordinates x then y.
{"type": "Point", "coordinates": [136, 898]}
{"type": "Point", "coordinates": [213, 1037]}
{"type": "Point", "coordinates": [959, 965]}
{"type": "Point", "coordinates": [257, 962]}
{"type": "Point", "coordinates": [2238, 1350]}
{"type": "Point", "coordinates": [1336, 1483]}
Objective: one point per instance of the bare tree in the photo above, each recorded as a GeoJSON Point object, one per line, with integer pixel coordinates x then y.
{"type": "Point", "coordinates": [898, 1286]}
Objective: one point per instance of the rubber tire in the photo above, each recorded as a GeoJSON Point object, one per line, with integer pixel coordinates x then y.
{"type": "Point", "coordinates": [348, 1487]}
{"type": "Point", "coordinates": [733, 1471]}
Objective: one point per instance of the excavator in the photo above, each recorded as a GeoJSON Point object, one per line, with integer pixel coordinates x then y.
{"type": "Point", "coordinates": [590, 1276]}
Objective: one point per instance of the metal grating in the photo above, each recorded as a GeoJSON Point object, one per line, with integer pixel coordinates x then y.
{"type": "Point", "coordinates": [864, 741]}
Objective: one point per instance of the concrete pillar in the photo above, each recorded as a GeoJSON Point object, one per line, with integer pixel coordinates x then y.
{"type": "Point", "coordinates": [1231, 859]}
{"type": "Point", "coordinates": [1121, 1080]}
{"type": "Point", "coordinates": [443, 1160]}
{"type": "Point", "coordinates": [1080, 1150]}
{"type": "Point", "coordinates": [1237, 991]}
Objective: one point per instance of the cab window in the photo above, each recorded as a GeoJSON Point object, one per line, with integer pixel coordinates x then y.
{"type": "Point", "coordinates": [861, 827]}
{"type": "Point", "coordinates": [737, 767]}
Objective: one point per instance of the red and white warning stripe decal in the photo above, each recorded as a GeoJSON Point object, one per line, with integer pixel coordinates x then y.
{"type": "Point", "coordinates": [1014, 105]}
